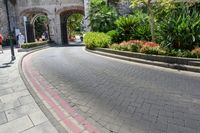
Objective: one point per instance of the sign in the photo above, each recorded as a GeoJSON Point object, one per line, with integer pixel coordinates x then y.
{"type": "Point", "coordinates": [25, 18]}
{"type": "Point", "coordinates": [17, 31]}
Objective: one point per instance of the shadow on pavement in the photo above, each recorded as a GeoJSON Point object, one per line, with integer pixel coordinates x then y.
{"type": "Point", "coordinates": [68, 45]}
{"type": "Point", "coordinates": [5, 65]}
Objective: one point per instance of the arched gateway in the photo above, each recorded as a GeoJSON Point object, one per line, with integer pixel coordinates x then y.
{"type": "Point", "coordinates": [57, 12]}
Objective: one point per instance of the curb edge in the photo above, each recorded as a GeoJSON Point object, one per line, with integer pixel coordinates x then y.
{"type": "Point", "coordinates": [38, 101]}
{"type": "Point", "coordinates": [148, 62]}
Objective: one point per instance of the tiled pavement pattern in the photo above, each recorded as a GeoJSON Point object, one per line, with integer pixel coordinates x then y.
{"type": "Point", "coordinates": [18, 111]}
{"type": "Point", "coordinates": [122, 97]}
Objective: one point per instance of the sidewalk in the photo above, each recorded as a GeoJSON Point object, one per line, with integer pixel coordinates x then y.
{"type": "Point", "coordinates": [18, 110]}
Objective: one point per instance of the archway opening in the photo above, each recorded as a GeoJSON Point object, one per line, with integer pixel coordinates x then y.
{"type": "Point", "coordinates": [34, 17]}
{"type": "Point", "coordinates": [74, 27]}
{"type": "Point", "coordinates": [71, 26]}
{"type": "Point", "coordinates": [40, 27]}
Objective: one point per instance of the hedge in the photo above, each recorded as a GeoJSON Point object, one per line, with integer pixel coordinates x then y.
{"type": "Point", "coordinates": [97, 39]}
{"type": "Point", "coordinates": [33, 44]}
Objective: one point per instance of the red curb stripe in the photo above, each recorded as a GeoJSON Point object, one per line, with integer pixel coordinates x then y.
{"type": "Point", "coordinates": [60, 114]}
{"type": "Point", "coordinates": [67, 108]}
{"type": "Point", "coordinates": [64, 104]}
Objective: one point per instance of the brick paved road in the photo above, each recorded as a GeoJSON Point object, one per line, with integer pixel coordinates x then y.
{"type": "Point", "coordinates": [118, 96]}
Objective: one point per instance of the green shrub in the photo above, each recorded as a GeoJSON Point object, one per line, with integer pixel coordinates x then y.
{"type": "Point", "coordinates": [135, 47]}
{"type": "Point", "coordinates": [115, 35]}
{"type": "Point", "coordinates": [179, 53]}
{"type": "Point", "coordinates": [96, 39]}
{"type": "Point", "coordinates": [34, 44]}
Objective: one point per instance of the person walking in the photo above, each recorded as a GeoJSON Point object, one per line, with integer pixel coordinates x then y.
{"type": "Point", "coordinates": [1, 42]}
{"type": "Point", "coordinates": [20, 39]}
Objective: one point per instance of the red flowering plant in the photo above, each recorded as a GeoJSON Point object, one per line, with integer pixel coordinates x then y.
{"type": "Point", "coordinates": [196, 52]}
{"type": "Point", "coordinates": [115, 46]}
{"type": "Point", "coordinates": [125, 46]}
{"type": "Point", "coordinates": [122, 46]}
{"type": "Point", "coordinates": [135, 45]}
{"type": "Point", "coordinates": [137, 41]}
{"type": "Point", "coordinates": [151, 44]}
{"type": "Point", "coordinates": [139, 46]}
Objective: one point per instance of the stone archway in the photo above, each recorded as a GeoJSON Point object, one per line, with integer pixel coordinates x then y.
{"type": "Point", "coordinates": [33, 22]}
{"type": "Point", "coordinates": [32, 14]}
{"type": "Point", "coordinates": [64, 14]}
{"type": "Point", "coordinates": [55, 10]}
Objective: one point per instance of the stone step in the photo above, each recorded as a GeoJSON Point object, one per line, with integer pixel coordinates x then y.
{"type": "Point", "coordinates": [194, 63]}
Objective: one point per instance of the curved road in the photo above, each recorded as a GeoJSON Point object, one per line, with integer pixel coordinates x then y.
{"type": "Point", "coordinates": [119, 96]}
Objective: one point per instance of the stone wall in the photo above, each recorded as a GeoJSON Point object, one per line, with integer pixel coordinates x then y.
{"type": "Point", "coordinates": [13, 17]}
{"type": "Point", "coordinates": [3, 19]}
{"type": "Point", "coordinates": [123, 7]}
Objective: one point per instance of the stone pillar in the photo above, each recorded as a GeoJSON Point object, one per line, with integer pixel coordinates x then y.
{"type": "Point", "coordinates": [86, 19]}
{"type": "Point", "coordinates": [57, 29]}
{"type": "Point", "coordinates": [52, 27]}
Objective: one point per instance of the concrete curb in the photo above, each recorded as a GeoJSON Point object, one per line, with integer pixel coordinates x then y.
{"type": "Point", "coordinates": [39, 102]}
{"type": "Point", "coordinates": [127, 57]}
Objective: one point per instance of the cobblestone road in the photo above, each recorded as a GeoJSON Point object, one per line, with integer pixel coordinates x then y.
{"type": "Point", "coordinates": [122, 97]}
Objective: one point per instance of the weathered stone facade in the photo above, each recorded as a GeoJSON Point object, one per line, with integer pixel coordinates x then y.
{"type": "Point", "coordinates": [123, 7]}
{"type": "Point", "coordinates": [3, 19]}
{"type": "Point", "coordinates": [53, 9]}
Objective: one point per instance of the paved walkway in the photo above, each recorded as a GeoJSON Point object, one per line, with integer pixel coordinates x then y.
{"type": "Point", "coordinates": [18, 110]}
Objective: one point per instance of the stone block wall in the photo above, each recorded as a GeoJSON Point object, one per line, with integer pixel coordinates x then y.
{"type": "Point", "coordinates": [3, 19]}
{"type": "Point", "coordinates": [123, 7]}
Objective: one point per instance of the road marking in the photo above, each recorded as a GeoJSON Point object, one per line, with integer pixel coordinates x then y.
{"type": "Point", "coordinates": [75, 123]}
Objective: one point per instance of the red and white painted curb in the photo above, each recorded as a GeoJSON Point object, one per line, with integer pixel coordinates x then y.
{"type": "Point", "coordinates": [60, 109]}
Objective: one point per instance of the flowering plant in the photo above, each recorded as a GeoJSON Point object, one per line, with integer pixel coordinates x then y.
{"type": "Point", "coordinates": [151, 44]}
{"type": "Point", "coordinates": [196, 52]}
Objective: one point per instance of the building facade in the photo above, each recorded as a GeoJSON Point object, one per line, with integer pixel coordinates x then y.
{"type": "Point", "coordinates": [57, 12]}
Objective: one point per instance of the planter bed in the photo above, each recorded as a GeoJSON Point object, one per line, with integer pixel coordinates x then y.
{"type": "Point", "coordinates": [158, 58]}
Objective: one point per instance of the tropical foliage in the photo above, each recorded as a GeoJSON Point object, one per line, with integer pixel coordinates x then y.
{"type": "Point", "coordinates": [163, 27]}
{"type": "Point", "coordinates": [134, 26]}
{"type": "Point", "coordinates": [102, 16]}
{"type": "Point", "coordinates": [180, 29]}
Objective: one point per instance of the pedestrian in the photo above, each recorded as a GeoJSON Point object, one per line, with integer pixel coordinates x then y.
{"type": "Point", "coordinates": [1, 42]}
{"type": "Point", "coordinates": [45, 36]}
{"type": "Point", "coordinates": [20, 39]}
{"type": "Point", "coordinates": [81, 38]}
